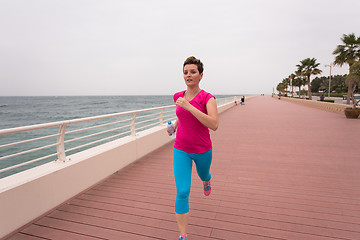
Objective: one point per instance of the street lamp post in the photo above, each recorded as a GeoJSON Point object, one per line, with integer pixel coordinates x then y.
{"type": "Point", "coordinates": [329, 78]}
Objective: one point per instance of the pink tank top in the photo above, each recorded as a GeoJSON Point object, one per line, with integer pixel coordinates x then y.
{"type": "Point", "coordinates": [191, 135]}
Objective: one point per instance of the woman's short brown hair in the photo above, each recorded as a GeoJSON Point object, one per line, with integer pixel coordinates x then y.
{"type": "Point", "coordinates": [197, 62]}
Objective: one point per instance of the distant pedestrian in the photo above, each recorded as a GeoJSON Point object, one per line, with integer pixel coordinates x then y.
{"type": "Point", "coordinates": [196, 112]}
{"type": "Point", "coordinates": [243, 100]}
{"type": "Point", "coordinates": [322, 97]}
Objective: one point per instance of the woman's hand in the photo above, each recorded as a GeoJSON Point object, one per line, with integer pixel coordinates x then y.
{"type": "Point", "coordinates": [182, 102]}
{"type": "Point", "coordinates": [210, 119]}
{"type": "Point", "coordinates": [170, 132]}
{"type": "Point", "coordinates": [175, 127]}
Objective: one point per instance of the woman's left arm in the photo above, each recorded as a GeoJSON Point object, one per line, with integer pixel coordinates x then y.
{"type": "Point", "coordinates": [210, 120]}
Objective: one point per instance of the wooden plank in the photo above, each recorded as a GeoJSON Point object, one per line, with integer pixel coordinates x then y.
{"type": "Point", "coordinates": [20, 236]}
{"type": "Point", "coordinates": [54, 233]}
{"type": "Point", "coordinates": [88, 229]}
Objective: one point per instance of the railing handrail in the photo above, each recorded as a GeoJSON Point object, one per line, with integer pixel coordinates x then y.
{"type": "Point", "coordinates": [158, 118]}
{"type": "Point", "coordinates": [77, 120]}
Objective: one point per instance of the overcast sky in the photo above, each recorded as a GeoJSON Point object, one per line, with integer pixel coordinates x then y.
{"type": "Point", "coordinates": [118, 47]}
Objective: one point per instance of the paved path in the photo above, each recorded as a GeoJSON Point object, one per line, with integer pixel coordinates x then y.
{"type": "Point", "coordinates": [280, 171]}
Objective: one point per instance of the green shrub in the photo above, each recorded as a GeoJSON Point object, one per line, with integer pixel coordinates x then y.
{"type": "Point", "coordinates": [327, 100]}
{"type": "Point", "coordinates": [331, 95]}
{"type": "Point", "coordinates": [338, 94]}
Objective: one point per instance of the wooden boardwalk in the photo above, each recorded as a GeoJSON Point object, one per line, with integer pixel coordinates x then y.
{"type": "Point", "coordinates": [280, 171]}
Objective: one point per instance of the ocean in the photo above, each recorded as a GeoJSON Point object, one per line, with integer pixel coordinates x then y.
{"type": "Point", "coordinates": [24, 111]}
{"type": "Point", "coordinates": [30, 110]}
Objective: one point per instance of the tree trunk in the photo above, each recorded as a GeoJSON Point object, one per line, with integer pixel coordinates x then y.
{"type": "Point", "coordinates": [309, 88]}
{"type": "Point", "coordinates": [349, 93]}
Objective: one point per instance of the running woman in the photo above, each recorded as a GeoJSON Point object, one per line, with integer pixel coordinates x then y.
{"type": "Point", "coordinates": [196, 112]}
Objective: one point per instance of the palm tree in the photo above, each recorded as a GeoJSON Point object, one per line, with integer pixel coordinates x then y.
{"type": "Point", "coordinates": [348, 53]}
{"type": "Point", "coordinates": [286, 83]}
{"type": "Point", "coordinates": [299, 81]}
{"type": "Point", "coordinates": [354, 79]}
{"type": "Point", "coordinates": [280, 87]}
{"type": "Point", "coordinates": [307, 68]}
{"type": "Point", "coordinates": [292, 77]}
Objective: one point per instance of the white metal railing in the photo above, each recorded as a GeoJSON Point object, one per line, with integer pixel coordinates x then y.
{"type": "Point", "coordinates": [223, 101]}
{"type": "Point", "coordinates": [44, 142]}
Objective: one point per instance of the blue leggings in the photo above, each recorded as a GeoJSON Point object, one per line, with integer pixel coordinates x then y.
{"type": "Point", "coordinates": [182, 173]}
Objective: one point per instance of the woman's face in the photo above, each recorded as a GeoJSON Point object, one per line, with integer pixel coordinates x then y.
{"type": "Point", "coordinates": [192, 76]}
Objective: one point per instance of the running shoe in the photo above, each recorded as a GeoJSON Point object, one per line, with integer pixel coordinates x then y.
{"type": "Point", "coordinates": [207, 189]}
{"type": "Point", "coordinates": [183, 237]}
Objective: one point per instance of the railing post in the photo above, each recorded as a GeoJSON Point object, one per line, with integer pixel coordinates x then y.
{"type": "Point", "coordinates": [133, 125]}
{"type": "Point", "coordinates": [162, 116]}
{"type": "Point", "coordinates": [60, 144]}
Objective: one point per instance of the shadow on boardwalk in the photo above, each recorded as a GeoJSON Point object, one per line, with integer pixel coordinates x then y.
{"type": "Point", "coordinates": [280, 171]}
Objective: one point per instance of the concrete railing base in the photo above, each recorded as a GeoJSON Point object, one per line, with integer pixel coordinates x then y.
{"type": "Point", "coordinates": [27, 195]}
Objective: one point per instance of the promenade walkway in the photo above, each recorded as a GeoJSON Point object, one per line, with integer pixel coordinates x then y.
{"type": "Point", "coordinates": [280, 171]}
